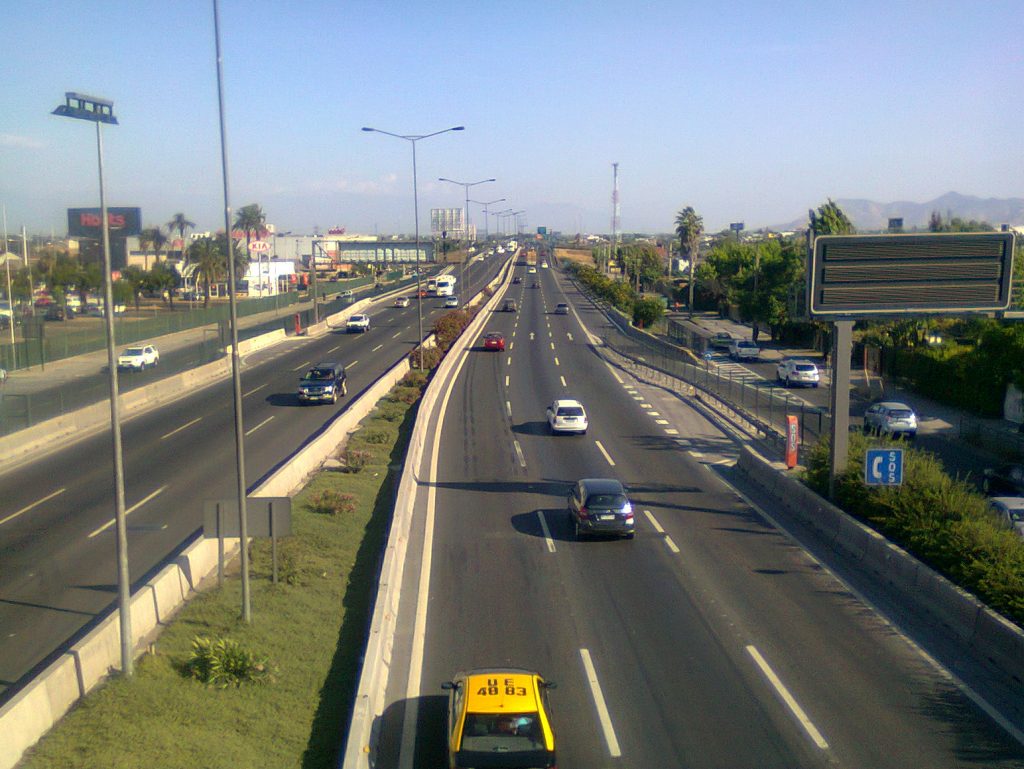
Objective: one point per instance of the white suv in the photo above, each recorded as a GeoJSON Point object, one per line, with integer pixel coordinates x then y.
{"type": "Point", "coordinates": [797, 372]}
{"type": "Point", "coordinates": [567, 416]}
{"type": "Point", "coordinates": [360, 323]}
{"type": "Point", "coordinates": [138, 358]}
{"type": "Point", "coordinates": [891, 419]}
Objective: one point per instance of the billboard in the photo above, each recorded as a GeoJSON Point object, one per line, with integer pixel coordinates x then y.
{"type": "Point", "coordinates": [853, 276]}
{"type": "Point", "coordinates": [85, 222]}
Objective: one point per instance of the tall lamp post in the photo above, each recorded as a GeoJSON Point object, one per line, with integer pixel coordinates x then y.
{"type": "Point", "coordinates": [466, 185]}
{"type": "Point", "coordinates": [236, 364]}
{"type": "Point", "coordinates": [412, 139]}
{"type": "Point", "coordinates": [487, 234]}
{"type": "Point", "coordinates": [100, 111]}
{"type": "Point", "coordinates": [503, 215]}
{"type": "Point", "coordinates": [515, 219]}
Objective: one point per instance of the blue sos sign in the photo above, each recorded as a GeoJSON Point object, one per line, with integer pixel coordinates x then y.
{"type": "Point", "coordinates": [883, 467]}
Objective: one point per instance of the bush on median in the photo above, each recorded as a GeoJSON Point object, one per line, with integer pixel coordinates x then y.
{"type": "Point", "coordinates": [939, 519]}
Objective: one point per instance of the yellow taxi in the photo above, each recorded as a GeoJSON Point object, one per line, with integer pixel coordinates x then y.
{"type": "Point", "coordinates": [498, 717]}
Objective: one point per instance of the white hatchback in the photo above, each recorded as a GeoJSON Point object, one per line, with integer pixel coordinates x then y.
{"type": "Point", "coordinates": [567, 416]}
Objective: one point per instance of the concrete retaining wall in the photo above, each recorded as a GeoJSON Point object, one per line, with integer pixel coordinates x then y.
{"type": "Point", "coordinates": [987, 635]}
{"type": "Point", "coordinates": [360, 747]}
{"type": "Point", "coordinates": [37, 707]}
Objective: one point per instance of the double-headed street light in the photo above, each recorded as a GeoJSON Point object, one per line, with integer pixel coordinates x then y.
{"type": "Point", "coordinates": [466, 185]}
{"type": "Point", "coordinates": [412, 139]}
{"type": "Point", "coordinates": [515, 219]}
{"type": "Point", "coordinates": [101, 111]}
{"type": "Point", "coordinates": [487, 233]}
{"type": "Point", "coordinates": [501, 215]}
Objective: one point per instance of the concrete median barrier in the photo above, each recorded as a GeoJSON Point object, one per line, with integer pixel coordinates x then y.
{"type": "Point", "coordinates": [994, 640]}
{"type": "Point", "coordinates": [43, 701]}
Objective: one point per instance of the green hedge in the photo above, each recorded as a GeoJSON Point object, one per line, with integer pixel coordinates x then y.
{"type": "Point", "coordinates": [969, 377]}
{"type": "Point", "coordinates": [616, 292]}
{"type": "Point", "coordinates": [942, 521]}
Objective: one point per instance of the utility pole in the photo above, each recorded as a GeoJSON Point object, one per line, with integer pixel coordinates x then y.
{"type": "Point", "coordinates": [615, 214]}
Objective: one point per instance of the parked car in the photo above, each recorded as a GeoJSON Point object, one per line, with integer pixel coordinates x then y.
{"type": "Point", "coordinates": [509, 306]}
{"type": "Point", "coordinates": [138, 358]}
{"type": "Point", "coordinates": [797, 372]}
{"type": "Point", "coordinates": [56, 312]}
{"type": "Point", "coordinates": [402, 301]}
{"type": "Point", "coordinates": [494, 341]}
{"type": "Point", "coordinates": [499, 717]}
{"type": "Point", "coordinates": [721, 340]}
{"type": "Point", "coordinates": [743, 349]}
{"type": "Point", "coordinates": [358, 324]}
{"type": "Point", "coordinates": [325, 382]}
{"type": "Point", "coordinates": [1005, 479]}
{"type": "Point", "coordinates": [566, 415]}
{"type": "Point", "coordinates": [600, 506]}
{"type": "Point", "coordinates": [1010, 511]}
{"type": "Point", "coordinates": [891, 419]}
{"type": "Point", "coordinates": [561, 309]}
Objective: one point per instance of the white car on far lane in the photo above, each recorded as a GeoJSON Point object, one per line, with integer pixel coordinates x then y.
{"type": "Point", "coordinates": [139, 357]}
{"type": "Point", "coordinates": [795, 371]}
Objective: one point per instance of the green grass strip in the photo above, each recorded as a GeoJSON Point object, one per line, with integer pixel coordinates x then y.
{"type": "Point", "coordinates": [311, 626]}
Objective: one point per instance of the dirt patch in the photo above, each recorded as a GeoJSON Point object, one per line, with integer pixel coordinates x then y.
{"type": "Point", "coordinates": [580, 255]}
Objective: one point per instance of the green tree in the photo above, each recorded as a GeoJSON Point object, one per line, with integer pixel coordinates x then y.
{"type": "Point", "coordinates": [135, 278]}
{"type": "Point", "coordinates": [208, 258]}
{"type": "Point", "coordinates": [830, 220]}
{"type": "Point", "coordinates": [647, 312]}
{"type": "Point", "coordinates": [935, 222]}
{"type": "Point", "coordinates": [163, 278]}
{"type": "Point", "coordinates": [252, 221]}
{"type": "Point", "coordinates": [689, 229]}
{"type": "Point", "coordinates": [63, 273]}
{"type": "Point", "coordinates": [179, 223]}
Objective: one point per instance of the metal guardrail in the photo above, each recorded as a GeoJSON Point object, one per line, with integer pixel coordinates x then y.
{"type": "Point", "coordinates": [762, 402]}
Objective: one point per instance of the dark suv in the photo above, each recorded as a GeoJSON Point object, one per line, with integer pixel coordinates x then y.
{"type": "Point", "coordinates": [600, 506]}
{"type": "Point", "coordinates": [323, 382]}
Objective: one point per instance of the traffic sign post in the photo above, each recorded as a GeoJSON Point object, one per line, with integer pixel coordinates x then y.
{"type": "Point", "coordinates": [883, 467]}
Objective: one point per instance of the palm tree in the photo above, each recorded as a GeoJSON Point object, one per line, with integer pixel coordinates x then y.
{"type": "Point", "coordinates": [250, 219]}
{"type": "Point", "coordinates": [689, 228]}
{"type": "Point", "coordinates": [180, 224]}
{"type": "Point", "coordinates": [205, 254]}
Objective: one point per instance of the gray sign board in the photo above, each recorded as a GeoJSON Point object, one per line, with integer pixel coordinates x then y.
{"type": "Point", "coordinates": [265, 517]}
{"type": "Point", "coordinates": [854, 276]}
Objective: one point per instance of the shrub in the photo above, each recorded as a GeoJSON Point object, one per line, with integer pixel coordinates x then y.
{"type": "Point", "coordinates": [331, 502]}
{"type": "Point", "coordinates": [939, 519]}
{"type": "Point", "coordinates": [414, 378]}
{"type": "Point", "coordinates": [224, 662]}
{"type": "Point", "coordinates": [429, 357]}
{"type": "Point", "coordinates": [356, 459]}
{"type": "Point", "coordinates": [391, 411]}
{"type": "Point", "coordinates": [374, 437]}
{"type": "Point", "coordinates": [404, 395]}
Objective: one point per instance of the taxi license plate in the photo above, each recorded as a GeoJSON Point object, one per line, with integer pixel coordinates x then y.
{"type": "Point", "coordinates": [608, 517]}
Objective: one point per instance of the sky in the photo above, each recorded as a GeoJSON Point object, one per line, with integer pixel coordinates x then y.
{"type": "Point", "coordinates": [747, 111]}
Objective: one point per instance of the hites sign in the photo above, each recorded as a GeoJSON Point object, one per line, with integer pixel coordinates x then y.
{"type": "Point", "coordinates": [86, 222]}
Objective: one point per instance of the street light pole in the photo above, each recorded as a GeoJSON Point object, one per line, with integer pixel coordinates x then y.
{"type": "Point", "coordinates": [236, 364]}
{"type": "Point", "coordinates": [412, 139]}
{"type": "Point", "coordinates": [101, 111]}
{"type": "Point", "coordinates": [466, 185]}
{"type": "Point", "coordinates": [487, 234]}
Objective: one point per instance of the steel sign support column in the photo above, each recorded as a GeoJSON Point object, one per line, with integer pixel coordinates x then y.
{"type": "Point", "coordinates": [842, 343]}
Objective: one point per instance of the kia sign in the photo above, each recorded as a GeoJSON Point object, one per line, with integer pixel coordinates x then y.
{"type": "Point", "coordinates": [259, 246]}
{"type": "Point", "coordinates": [856, 276]}
{"type": "Point", "coordinates": [86, 222]}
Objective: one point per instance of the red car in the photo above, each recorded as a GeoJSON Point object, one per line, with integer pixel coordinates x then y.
{"type": "Point", "coordinates": [494, 341]}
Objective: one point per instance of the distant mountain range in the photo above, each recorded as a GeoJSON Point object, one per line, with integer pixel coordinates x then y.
{"type": "Point", "coordinates": [868, 215]}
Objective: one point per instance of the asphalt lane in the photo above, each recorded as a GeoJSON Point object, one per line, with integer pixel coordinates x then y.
{"type": "Point", "coordinates": [715, 641]}
{"type": "Point", "coordinates": [57, 570]}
